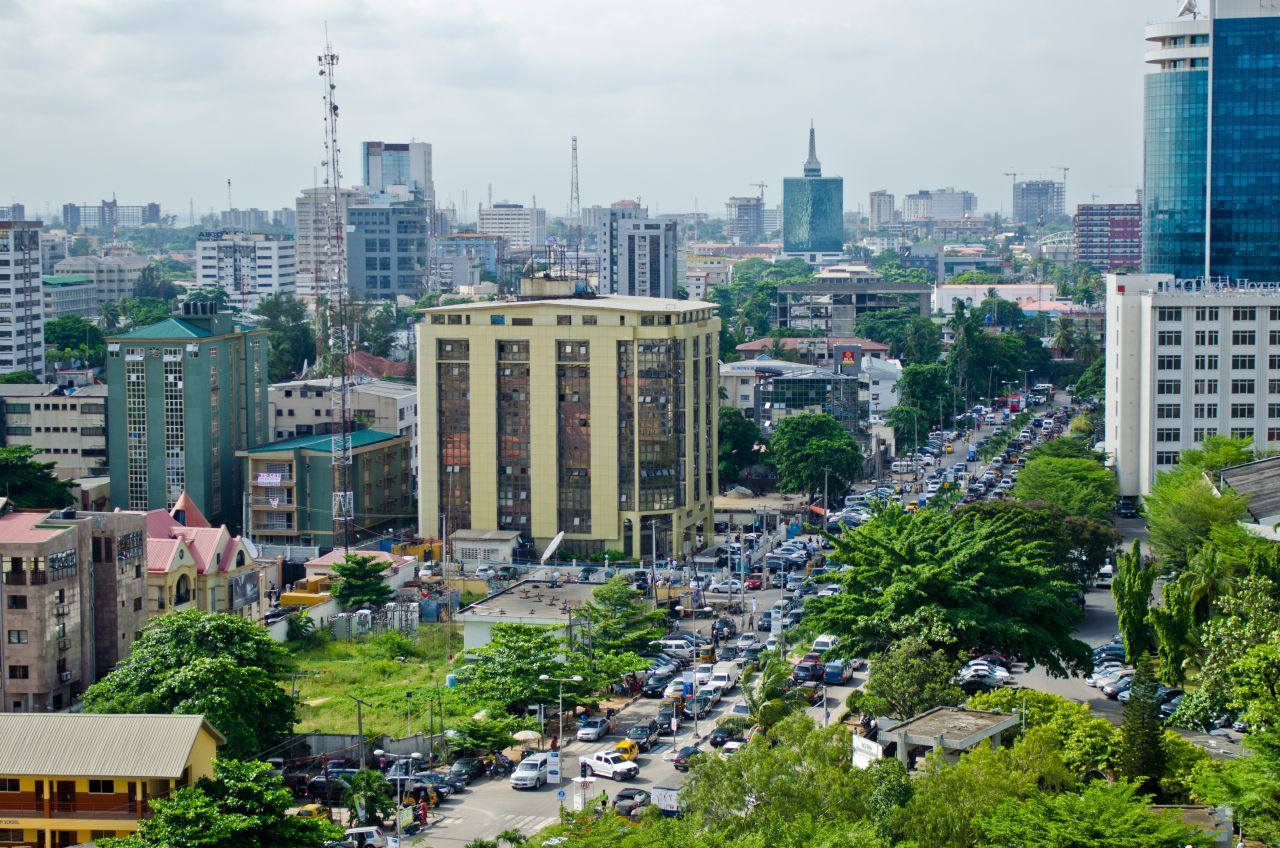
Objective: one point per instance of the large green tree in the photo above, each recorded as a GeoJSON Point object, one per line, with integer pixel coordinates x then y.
{"type": "Point", "coordinates": [1140, 754]}
{"type": "Point", "coordinates": [928, 388]}
{"type": "Point", "coordinates": [30, 484]}
{"type": "Point", "coordinates": [910, 427]}
{"type": "Point", "coordinates": [506, 671]}
{"type": "Point", "coordinates": [244, 806]}
{"type": "Point", "coordinates": [377, 328]}
{"type": "Point", "coordinates": [1131, 589]}
{"type": "Point", "coordinates": [216, 664]}
{"type": "Point", "coordinates": [1075, 486]}
{"type": "Point", "coordinates": [1079, 546]}
{"type": "Point", "coordinates": [289, 333]}
{"type": "Point", "coordinates": [362, 581]}
{"type": "Point", "coordinates": [1182, 508]}
{"type": "Point", "coordinates": [956, 581]}
{"type": "Point", "coordinates": [804, 447]}
{"type": "Point", "coordinates": [1218, 452]}
{"type": "Point", "coordinates": [739, 436]}
{"type": "Point", "coordinates": [72, 331]}
{"type": "Point", "coordinates": [621, 619]}
{"type": "Point", "coordinates": [910, 678]}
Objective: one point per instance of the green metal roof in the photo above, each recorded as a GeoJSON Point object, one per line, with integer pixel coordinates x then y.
{"type": "Point", "coordinates": [359, 439]}
{"type": "Point", "coordinates": [65, 279]}
{"type": "Point", "coordinates": [169, 328]}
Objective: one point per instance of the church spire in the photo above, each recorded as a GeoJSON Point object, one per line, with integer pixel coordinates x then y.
{"type": "Point", "coordinates": [812, 167]}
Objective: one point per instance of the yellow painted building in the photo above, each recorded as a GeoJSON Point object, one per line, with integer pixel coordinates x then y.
{"type": "Point", "coordinates": [69, 778]}
{"type": "Point", "coordinates": [595, 416]}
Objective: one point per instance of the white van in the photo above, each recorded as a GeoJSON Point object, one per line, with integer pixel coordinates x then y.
{"type": "Point", "coordinates": [1045, 388]}
{"type": "Point", "coordinates": [725, 675]}
{"type": "Point", "coordinates": [365, 837]}
{"type": "Point", "coordinates": [531, 772]}
{"type": "Point", "coordinates": [825, 643]}
{"type": "Point", "coordinates": [901, 467]}
{"type": "Point", "coordinates": [1105, 575]}
{"type": "Point", "coordinates": [675, 647]}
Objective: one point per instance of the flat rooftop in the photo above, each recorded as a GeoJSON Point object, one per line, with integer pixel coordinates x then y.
{"type": "Point", "coordinates": [953, 725]}
{"type": "Point", "coordinates": [532, 598]}
{"type": "Point", "coordinates": [615, 302]}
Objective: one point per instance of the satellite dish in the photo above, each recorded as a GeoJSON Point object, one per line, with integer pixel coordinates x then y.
{"type": "Point", "coordinates": [551, 548]}
{"type": "Point", "coordinates": [1188, 7]}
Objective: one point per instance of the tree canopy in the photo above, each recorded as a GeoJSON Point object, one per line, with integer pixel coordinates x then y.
{"type": "Point", "coordinates": [289, 333]}
{"type": "Point", "coordinates": [216, 664]}
{"type": "Point", "coordinates": [805, 446]}
{"type": "Point", "coordinates": [621, 619]}
{"type": "Point", "coordinates": [955, 581]}
{"type": "Point", "coordinates": [1181, 509]}
{"type": "Point", "coordinates": [30, 484]}
{"type": "Point", "coordinates": [910, 678]}
{"type": "Point", "coordinates": [1075, 486]}
{"type": "Point", "coordinates": [362, 581]}
{"type": "Point", "coordinates": [739, 436]}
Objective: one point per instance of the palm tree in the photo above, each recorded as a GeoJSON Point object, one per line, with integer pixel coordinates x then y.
{"type": "Point", "coordinates": [111, 315]}
{"type": "Point", "coordinates": [370, 796]}
{"type": "Point", "coordinates": [1064, 338]}
{"type": "Point", "coordinates": [1087, 349]}
{"type": "Point", "coordinates": [768, 699]}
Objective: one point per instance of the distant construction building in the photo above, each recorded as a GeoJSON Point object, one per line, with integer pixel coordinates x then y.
{"type": "Point", "coordinates": [744, 219]}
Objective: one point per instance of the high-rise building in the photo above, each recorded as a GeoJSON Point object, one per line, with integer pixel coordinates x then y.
{"type": "Point", "coordinates": [21, 298]}
{"type": "Point", "coordinates": [943, 204]}
{"type": "Point", "coordinates": [1109, 236]}
{"type": "Point", "coordinates": [486, 249]}
{"type": "Point", "coordinates": [813, 212]}
{"type": "Point", "coordinates": [1038, 202]}
{"type": "Point", "coordinates": [108, 214]}
{"type": "Point", "coordinates": [13, 212]}
{"type": "Point", "coordinates": [637, 255]}
{"type": "Point", "coordinates": [1220, 164]}
{"type": "Point", "coordinates": [744, 219]}
{"type": "Point", "coordinates": [184, 395]}
{"type": "Point", "coordinates": [881, 209]}
{"type": "Point", "coordinates": [389, 164]}
{"type": "Point", "coordinates": [389, 250]}
{"type": "Point", "coordinates": [285, 217]}
{"type": "Point", "coordinates": [595, 416]}
{"type": "Point", "coordinates": [248, 266]}
{"type": "Point", "coordinates": [525, 229]}
{"type": "Point", "coordinates": [1188, 359]}
{"type": "Point", "coordinates": [317, 263]}
{"type": "Point", "coordinates": [244, 219]}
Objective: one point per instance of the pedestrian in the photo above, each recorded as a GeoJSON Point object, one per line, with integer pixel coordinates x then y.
{"type": "Point", "coordinates": [604, 800]}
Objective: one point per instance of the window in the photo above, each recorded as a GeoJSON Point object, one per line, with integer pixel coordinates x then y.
{"type": "Point", "coordinates": [1273, 337]}
{"type": "Point", "coordinates": [1273, 434]}
{"type": "Point", "coordinates": [588, 320]}
{"type": "Point", "coordinates": [497, 319]}
{"type": "Point", "coordinates": [1273, 410]}
{"type": "Point", "coordinates": [1168, 410]}
{"type": "Point", "coordinates": [1244, 337]}
{"type": "Point", "coordinates": [1243, 387]}
{"type": "Point", "coordinates": [102, 787]}
{"type": "Point", "coordinates": [1169, 313]}
{"type": "Point", "coordinates": [1206, 362]}
{"type": "Point", "coordinates": [1206, 387]}
{"type": "Point", "coordinates": [1244, 362]}
{"type": "Point", "coordinates": [1205, 410]}
{"type": "Point", "coordinates": [1273, 387]}
{"type": "Point", "coordinates": [1273, 362]}
{"type": "Point", "coordinates": [1166, 457]}
{"type": "Point", "coordinates": [1168, 434]}
{"type": "Point", "coordinates": [1206, 313]}
{"type": "Point", "coordinates": [1169, 338]}
{"type": "Point", "coordinates": [1206, 338]}
{"type": "Point", "coordinates": [16, 602]}
{"type": "Point", "coordinates": [1202, 433]}
{"type": "Point", "coordinates": [1242, 410]}
{"type": "Point", "coordinates": [16, 836]}
{"type": "Point", "coordinates": [1168, 362]}
{"type": "Point", "coordinates": [1244, 313]}
{"type": "Point", "coordinates": [1241, 433]}
{"type": "Point", "coordinates": [522, 322]}
{"type": "Point", "coordinates": [17, 637]}
{"type": "Point", "coordinates": [9, 784]}
{"type": "Point", "coordinates": [1169, 387]}
{"type": "Point", "coordinates": [137, 604]}
{"type": "Point", "coordinates": [19, 672]}
{"type": "Point", "coordinates": [564, 320]}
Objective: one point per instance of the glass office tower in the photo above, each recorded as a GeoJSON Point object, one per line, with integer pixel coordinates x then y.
{"type": "Point", "coordinates": [1227, 176]}
{"type": "Point", "coordinates": [812, 209]}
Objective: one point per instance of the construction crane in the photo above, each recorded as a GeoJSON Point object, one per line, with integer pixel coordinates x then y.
{"type": "Point", "coordinates": [761, 185]}
{"type": "Point", "coordinates": [333, 314]}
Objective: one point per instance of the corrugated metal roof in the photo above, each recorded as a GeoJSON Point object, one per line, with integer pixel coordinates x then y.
{"type": "Point", "coordinates": [359, 439]}
{"type": "Point", "coordinates": [1260, 480]}
{"type": "Point", "coordinates": [83, 745]}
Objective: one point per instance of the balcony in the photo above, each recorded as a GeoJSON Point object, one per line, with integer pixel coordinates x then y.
{"type": "Point", "coordinates": [266, 502]}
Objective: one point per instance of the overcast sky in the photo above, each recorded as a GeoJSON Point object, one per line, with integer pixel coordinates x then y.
{"type": "Point", "coordinates": [674, 101]}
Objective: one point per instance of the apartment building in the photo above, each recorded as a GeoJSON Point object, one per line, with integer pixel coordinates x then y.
{"type": "Point", "coordinates": [306, 408]}
{"type": "Point", "coordinates": [69, 294]}
{"type": "Point", "coordinates": [637, 255]}
{"type": "Point", "coordinates": [1109, 236]}
{"type": "Point", "coordinates": [21, 298]}
{"type": "Point", "coordinates": [65, 427]}
{"type": "Point", "coordinates": [524, 229]}
{"type": "Point", "coordinates": [248, 266]}
{"type": "Point", "coordinates": [591, 416]}
{"type": "Point", "coordinates": [115, 276]}
{"type": "Point", "coordinates": [1187, 359]}
{"type": "Point", "coordinates": [316, 217]}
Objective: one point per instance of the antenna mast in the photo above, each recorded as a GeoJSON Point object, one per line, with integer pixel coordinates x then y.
{"type": "Point", "coordinates": [575, 202]}
{"type": "Point", "coordinates": [336, 303]}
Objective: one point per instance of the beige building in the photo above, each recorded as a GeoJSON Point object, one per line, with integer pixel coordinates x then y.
{"type": "Point", "coordinates": [69, 294]}
{"type": "Point", "coordinates": [595, 416]}
{"type": "Point", "coordinates": [69, 430]}
{"type": "Point", "coordinates": [306, 408]}
{"type": "Point", "coordinates": [114, 276]}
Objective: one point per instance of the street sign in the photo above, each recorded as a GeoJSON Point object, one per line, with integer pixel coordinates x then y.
{"type": "Point", "coordinates": [560, 793]}
{"type": "Point", "coordinates": [553, 768]}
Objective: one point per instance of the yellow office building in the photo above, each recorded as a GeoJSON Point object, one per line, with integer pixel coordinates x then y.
{"type": "Point", "coordinates": [595, 416]}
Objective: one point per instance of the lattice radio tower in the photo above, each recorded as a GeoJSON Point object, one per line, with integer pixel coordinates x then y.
{"type": "Point", "coordinates": [575, 203]}
{"type": "Point", "coordinates": [339, 323]}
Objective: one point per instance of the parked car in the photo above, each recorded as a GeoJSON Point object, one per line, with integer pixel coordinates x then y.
{"type": "Point", "coordinates": [644, 734]}
{"type": "Point", "coordinates": [725, 628]}
{"type": "Point", "coordinates": [631, 801]}
{"type": "Point", "coordinates": [597, 726]}
{"type": "Point", "coordinates": [531, 772]}
{"type": "Point", "coordinates": [468, 768]}
{"type": "Point", "coordinates": [685, 756]}
{"type": "Point", "coordinates": [755, 581]}
{"type": "Point", "coordinates": [656, 685]}
{"type": "Point", "coordinates": [721, 735]}
{"type": "Point", "coordinates": [508, 572]}
{"type": "Point", "coordinates": [747, 640]}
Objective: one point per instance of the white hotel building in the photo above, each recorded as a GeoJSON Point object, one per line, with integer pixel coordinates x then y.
{"type": "Point", "coordinates": [1187, 359]}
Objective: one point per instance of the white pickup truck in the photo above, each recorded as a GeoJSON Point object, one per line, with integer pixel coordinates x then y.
{"type": "Point", "coordinates": [610, 764]}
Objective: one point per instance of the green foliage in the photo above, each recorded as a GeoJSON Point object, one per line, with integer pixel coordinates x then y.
{"type": "Point", "coordinates": [768, 699]}
{"type": "Point", "coordinates": [361, 581]}
{"type": "Point", "coordinates": [370, 797]}
{"type": "Point", "coordinates": [245, 806]}
{"type": "Point", "coordinates": [1102, 816]}
{"type": "Point", "coordinates": [928, 388]}
{"type": "Point", "coordinates": [30, 484]}
{"type": "Point", "coordinates": [803, 447]}
{"type": "Point", "coordinates": [505, 672]}
{"type": "Point", "coordinates": [1131, 589]}
{"type": "Point", "coordinates": [216, 295]}
{"type": "Point", "coordinates": [26, 378]}
{"type": "Point", "coordinates": [621, 619]}
{"type": "Point", "coordinates": [739, 436]}
{"type": "Point", "coordinates": [1218, 452]}
{"type": "Point", "coordinates": [910, 427]}
{"type": "Point", "coordinates": [74, 337]}
{"type": "Point", "coordinates": [1084, 741]}
{"type": "Point", "coordinates": [956, 581]}
{"type": "Point", "coordinates": [476, 736]}
{"type": "Point", "coordinates": [289, 333]}
{"type": "Point", "coordinates": [154, 280]}
{"type": "Point", "coordinates": [1249, 785]}
{"type": "Point", "coordinates": [216, 664]}
{"type": "Point", "coordinates": [139, 312]}
{"type": "Point", "coordinates": [1139, 752]}
{"type": "Point", "coordinates": [1093, 381]}
{"type": "Point", "coordinates": [1075, 486]}
{"type": "Point", "coordinates": [393, 645]}
{"type": "Point", "coordinates": [891, 789]}
{"type": "Point", "coordinates": [747, 300]}
{"type": "Point", "coordinates": [1079, 546]}
{"type": "Point", "coordinates": [1066, 447]}
{"type": "Point", "coordinates": [911, 337]}
{"type": "Point", "coordinates": [377, 328]}
{"type": "Point", "coordinates": [300, 627]}
{"type": "Point", "coordinates": [1182, 508]}
{"type": "Point", "coordinates": [909, 679]}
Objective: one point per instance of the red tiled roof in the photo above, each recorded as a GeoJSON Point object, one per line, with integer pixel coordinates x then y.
{"type": "Point", "coordinates": [160, 552]}
{"type": "Point", "coordinates": [336, 555]}
{"type": "Point", "coordinates": [365, 364]}
{"type": "Point", "coordinates": [20, 527]}
{"type": "Point", "coordinates": [194, 517]}
{"type": "Point", "coordinates": [205, 543]}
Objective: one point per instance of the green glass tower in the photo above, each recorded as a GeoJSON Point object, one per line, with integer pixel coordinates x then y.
{"type": "Point", "coordinates": [813, 209]}
{"type": "Point", "coordinates": [183, 396]}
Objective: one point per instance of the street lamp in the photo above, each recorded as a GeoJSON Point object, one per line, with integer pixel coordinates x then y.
{"type": "Point", "coordinates": [577, 678]}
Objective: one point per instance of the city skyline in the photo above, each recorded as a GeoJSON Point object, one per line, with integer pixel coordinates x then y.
{"type": "Point", "coordinates": [184, 98]}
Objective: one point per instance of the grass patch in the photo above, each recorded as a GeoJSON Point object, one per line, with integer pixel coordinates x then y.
{"type": "Point", "coordinates": [373, 671]}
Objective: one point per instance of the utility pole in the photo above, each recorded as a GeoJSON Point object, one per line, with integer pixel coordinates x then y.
{"type": "Point", "coordinates": [360, 726]}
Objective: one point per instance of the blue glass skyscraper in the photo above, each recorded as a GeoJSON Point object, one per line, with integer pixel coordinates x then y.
{"type": "Point", "coordinates": [1212, 144]}
{"type": "Point", "coordinates": [813, 211]}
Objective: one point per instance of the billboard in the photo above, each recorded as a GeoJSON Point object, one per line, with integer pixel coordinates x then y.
{"type": "Point", "coordinates": [848, 359]}
{"type": "Point", "coordinates": [245, 590]}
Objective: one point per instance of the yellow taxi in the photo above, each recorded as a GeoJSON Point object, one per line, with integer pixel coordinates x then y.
{"type": "Point", "coordinates": [948, 448]}
{"type": "Point", "coordinates": [627, 749]}
{"type": "Point", "coordinates": [312, 811]}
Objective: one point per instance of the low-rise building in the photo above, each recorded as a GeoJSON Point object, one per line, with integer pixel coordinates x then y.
{"type": "Point", "coordinates": [69, 294]}
{"type": "Point", "coordinates": [65, 427]}
{"type": "Point", "coordinates": [290, 488]}
{"type": "Point", "coordinates": [72, 778]}
{"type": "Point", "coordinates": [956, 259]}
{"type": "Point", "coordinates": [881, 378]}
{"type": "Point", "coordinates": [839, 295]}
{"type": "Point", "coordinates": [945, 298]}
{"type": "Point", "coordinates": [811, 351]}
{"type": "Point", "coordinates": [115, 276]}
